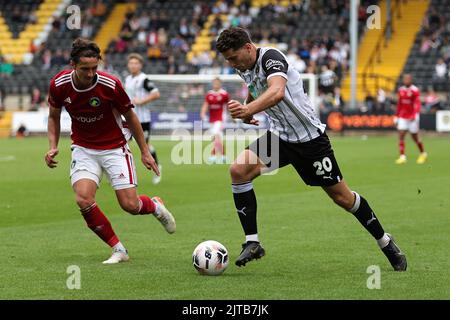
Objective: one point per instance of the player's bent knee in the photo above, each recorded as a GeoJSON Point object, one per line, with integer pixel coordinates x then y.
{"type": "Point", "coordinates": [237, 171]}
{"type": "Point", "coordinates": [241, 172]}
{"type": "Point", "coordinates": [84, 201]}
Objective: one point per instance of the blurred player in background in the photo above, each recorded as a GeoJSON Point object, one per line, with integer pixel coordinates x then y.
{"type": "Point", "coordinates": [215, 102]}
{"type": "Point", "coordinates": [408, 118]}
{"type": "Point", "coordinates": [296, 137]}
{"type": "Point", "coordinates": [142, 91]}
{"type": "Point", "coordinates": [96, 101]}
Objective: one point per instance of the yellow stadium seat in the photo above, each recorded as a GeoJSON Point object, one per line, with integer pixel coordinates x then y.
{"type": "Point", "coordinates": [203, 40]}
{"type": "Point", "coordinates": [189, 56]}
{"type": "Point", "coordinates": [45, 13]}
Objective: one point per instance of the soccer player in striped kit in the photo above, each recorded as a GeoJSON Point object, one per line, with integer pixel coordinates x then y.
{"type": "Point", "coordinates": [296, 136]}
{"type": "Point", "coordinates": [96, 102]}
{"type": "Point", "coordinates": [142, 92]}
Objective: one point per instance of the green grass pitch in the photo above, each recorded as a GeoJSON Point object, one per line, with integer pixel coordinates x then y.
{"type": "Point", "coordinates": [315, 250]}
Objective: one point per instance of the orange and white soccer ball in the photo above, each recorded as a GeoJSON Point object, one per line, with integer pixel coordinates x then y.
{"type": "Point", "coordinates": [210, 258]}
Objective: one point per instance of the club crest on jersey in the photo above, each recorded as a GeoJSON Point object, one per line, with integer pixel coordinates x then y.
{"type": "Point", "coordinates": [94, 102]}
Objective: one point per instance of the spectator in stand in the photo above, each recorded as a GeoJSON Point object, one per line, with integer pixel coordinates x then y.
{"type": "Point", "coordinates": [98, 9]}
{"type": "Point", "coordinates": [440, 70]}
{"type": "Point", "coordinates": [432, 101]}
{"type": "Point", "coordinates": [58, 59]}
{"type": "Point", "coordinates": [22, 131]}
{"type": "Point", "coordinates": [141, 36]}
{"type": "Point", "coordinates": [144, 20]}
{"type": "Point", "coordinates": [337, 69]}
{"type": "Point", "coordinates": [434, 21]}
{"type": "Point", "coordinates": [6, 68]}
{"type": "Point", "coordinates": [37, 99]}
{"type": "Point", "coordinates": [179, 44]}
{"type": "Point", "coordinates": [46, 60]}
{"type": "Point", "coordinates": [327, 80]}
{"type": "Point", "coordinates": [120, 45]}
{"type": "Point", "coordinates": [381, 102]}
{"type": "Point", "coordinates": [172, 65]}
{"type": "Point", "coordinates": [297, 63]}
{"type": "Point", "coordinates": [369, 103]}
{"type": "Point", "coordinates": [425, 45]}
{"type": "Point", "coordinates": [162, 37]}
{"type": "Point", "coordinates": [2, 97]}
{"type": "Point", "coordinates": [126, 34]}
{"type": "Point", "coordinates": [183, 29]}
{"type": "Point", "coordinates": [203, 59]}
{"type": "Point", "coordinates": [445, 50]}
{"type": "Point", "coordinates": [338, 101]}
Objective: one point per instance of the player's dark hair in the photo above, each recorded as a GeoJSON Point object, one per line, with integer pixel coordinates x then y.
{"type": "Point", "coordinates": [84, 48]}
{"type": "Point", "coordinates": [232, 38]}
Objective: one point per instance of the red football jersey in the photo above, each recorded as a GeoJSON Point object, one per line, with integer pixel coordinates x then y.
{"type": "Point", "coordinates": [408, 104]}
{"type": "Point", "coordinates": [217, 101]}
{"type": "Point", "coordinates": [95, 112]}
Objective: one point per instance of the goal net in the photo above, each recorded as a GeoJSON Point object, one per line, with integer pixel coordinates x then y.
{"type": "Point", "coordinates": [182, 97]}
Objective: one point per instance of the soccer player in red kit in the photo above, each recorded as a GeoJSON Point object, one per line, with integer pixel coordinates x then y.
{"type": "Point", "coordinates": [407, 117]}
{"type": "Point", "coordinates": [215, 101]}
{"type": "Point", "coordinates": [96, 102]}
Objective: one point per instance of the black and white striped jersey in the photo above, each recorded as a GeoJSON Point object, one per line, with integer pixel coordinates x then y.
{"type": "Point", "coordinates": [139, 87]}
{"type": "Point", "coordinates": [293, 119]}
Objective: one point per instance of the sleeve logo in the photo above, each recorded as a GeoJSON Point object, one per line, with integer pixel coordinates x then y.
{"type": "Point", "coordinates": [275, 64]}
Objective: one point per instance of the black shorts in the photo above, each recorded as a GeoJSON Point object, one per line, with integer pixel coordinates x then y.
{"type": "Point", "coordinates": [314, 160]}
{"type": "Point", "coordinates": [147, 128]}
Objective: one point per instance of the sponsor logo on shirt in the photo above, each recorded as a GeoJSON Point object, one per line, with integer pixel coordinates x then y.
{"type": "Point", "coordinates": [88, 119]}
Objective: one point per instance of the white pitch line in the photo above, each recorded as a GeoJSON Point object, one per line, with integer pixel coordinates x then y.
{"type": "Point", "coordinates": [7, 158]}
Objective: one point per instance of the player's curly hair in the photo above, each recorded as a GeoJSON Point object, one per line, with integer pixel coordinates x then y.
{"type": "Point", "coordinates": [84, 48]}
{"type": "Point", "coordinates": [232, 38]}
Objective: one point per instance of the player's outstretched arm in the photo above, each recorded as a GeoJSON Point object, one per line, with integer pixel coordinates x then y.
{"type": "Point", "coordinates": [154, 95]}
{"type": "Point", "coordinates": [138, 134]}
{"type": "Point", "coordinates": [53, 132]}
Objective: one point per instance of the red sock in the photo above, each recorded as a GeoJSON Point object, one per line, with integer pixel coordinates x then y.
{"type": "Point", "coordinates": [401, 146]}
{"type": "Point", "coordinates": [97, 222]}
{"type": "Point", "coordinates": [148, 206]}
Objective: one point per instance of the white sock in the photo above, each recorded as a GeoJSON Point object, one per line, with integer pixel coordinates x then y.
{"type": "Point", "coordinates": [119, 247]}
{"type": "Point", "coordinates": [252, 237]}
{"type": "Point", "coordinates": [383, 241]}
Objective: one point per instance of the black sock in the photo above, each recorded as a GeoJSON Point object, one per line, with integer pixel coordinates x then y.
{"type": "Point", "coordinates": [245, 202]}
{"type": "Point", "coordinates": [365, 215]}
